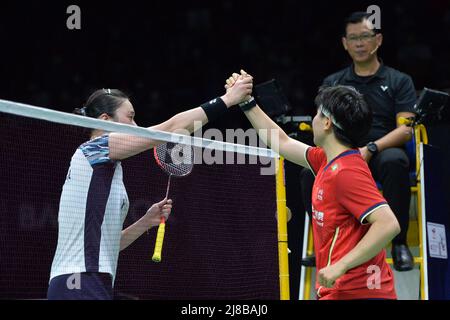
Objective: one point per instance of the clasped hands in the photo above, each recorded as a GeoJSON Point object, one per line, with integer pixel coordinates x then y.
{"type": "Point", "coordinates": [238, 88]}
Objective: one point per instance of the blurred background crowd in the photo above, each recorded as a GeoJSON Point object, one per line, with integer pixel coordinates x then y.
{"type": "Point", "coordinates": [174, 55]}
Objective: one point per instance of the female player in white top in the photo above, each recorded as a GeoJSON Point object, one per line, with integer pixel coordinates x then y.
{"type": "Point", "coordinates": [94, 202]}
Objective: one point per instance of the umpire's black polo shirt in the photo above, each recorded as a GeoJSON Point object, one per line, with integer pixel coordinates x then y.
{"type": "Point", "coordinates": [387, 92]}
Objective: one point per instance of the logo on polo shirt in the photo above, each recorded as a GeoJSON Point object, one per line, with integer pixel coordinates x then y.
{"type": "Point", "coordinates": [384, 88]}
{"type": "Point", "coordinates": [320, 195]}
{"type": "Point", "coordinates": [318, 216]}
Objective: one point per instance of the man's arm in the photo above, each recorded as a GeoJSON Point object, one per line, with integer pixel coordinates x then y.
{"type": "Point", "coordinates": [397, 137]}
{"type": "Point", "coordinates": [274, 137]}
{"type": "Point", "coordinates": [405, 98]}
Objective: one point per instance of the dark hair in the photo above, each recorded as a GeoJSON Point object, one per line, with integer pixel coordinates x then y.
{"type": "Point", "coordinates": [349, 112]}
{"type": "Point", "coordinates": [357, 17]}
{"type": "Point", "coordinates": [102, 101]}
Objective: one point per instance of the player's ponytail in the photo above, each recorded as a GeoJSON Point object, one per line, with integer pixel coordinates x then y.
{"type": "Point", "coordinates": [80, 111]}
{"type": "Point", "coordinates": [102, 101]}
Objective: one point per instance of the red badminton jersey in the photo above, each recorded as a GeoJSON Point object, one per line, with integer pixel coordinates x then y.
{"type": "Point", "coordinates": [344, 194]}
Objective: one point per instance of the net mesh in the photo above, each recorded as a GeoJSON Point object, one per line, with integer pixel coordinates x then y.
{"type": "Point", "coordinates": [221, 238]}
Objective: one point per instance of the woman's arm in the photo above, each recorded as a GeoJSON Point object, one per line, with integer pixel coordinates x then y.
{"type": "Point", "coordinates": [269, 132]}
{"type": "Point", "coordinates": [384, 227]}
{"type": "Point", "coordinates": [123, 146]}
{"type": "Point", "coordinates": [274, 137]}
{"type": "Point", "coordinates": [149, 220]}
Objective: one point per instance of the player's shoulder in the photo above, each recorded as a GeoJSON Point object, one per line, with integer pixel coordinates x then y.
{"type": "Point", "coordinates": [396, 76]}
{"type": "Point", "coordinates": [97, 144]}
{"type": "Point", "coordinates": [350, 164]}
{"type": "Point", "coordinates": [96, 150]}
{"type": "Point", "coordinates": [395, 72]}
{"type": "Point", "coordinates": [315, 150]}
{"type": "Point", "coordinates": [315, 158]}
{"type": "Point", "coordinates": [315, 153]}
{"type": "Point", "coordinates": [100, 140]}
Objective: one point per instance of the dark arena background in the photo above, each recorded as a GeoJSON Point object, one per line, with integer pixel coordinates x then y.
{"type": "Point", "coordinates": [171, 56]}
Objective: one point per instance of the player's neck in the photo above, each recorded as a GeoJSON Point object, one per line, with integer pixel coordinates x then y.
{"type": "Point", "coordinates": [333, 148]}
{"type": "Point", "coordinates": [96, 133]}
{"type": "Point", "coordinates": [367, 68]}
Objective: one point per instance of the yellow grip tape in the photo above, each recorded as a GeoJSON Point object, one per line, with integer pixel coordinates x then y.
{"type": "Point", "coordinates": [159, 242]}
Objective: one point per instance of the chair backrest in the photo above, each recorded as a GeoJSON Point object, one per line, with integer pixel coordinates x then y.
{"type": "Point", "coordinates": [411, 152]}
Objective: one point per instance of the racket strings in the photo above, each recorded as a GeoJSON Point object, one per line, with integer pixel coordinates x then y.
{"type": "Point", "coordinates": [175, 159]}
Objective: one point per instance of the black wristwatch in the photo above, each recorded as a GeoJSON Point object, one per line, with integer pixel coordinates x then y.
{"type": "Point", "coordinates": [372, 147]}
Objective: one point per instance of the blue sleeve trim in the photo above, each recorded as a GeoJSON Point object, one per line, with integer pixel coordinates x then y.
{"type": "Point", "coordinates": [96, 151]}
{"type": "Point", "coordinates": [370, 210]}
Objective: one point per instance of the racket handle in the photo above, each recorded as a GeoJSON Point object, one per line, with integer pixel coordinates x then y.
{"type": "Point", "coordinates": [159, 241]}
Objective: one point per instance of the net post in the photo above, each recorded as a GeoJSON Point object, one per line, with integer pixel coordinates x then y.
{"type": "Point", "coordinates": [282, 230]}
{"type": "Point", "coordinates": [421, 137]}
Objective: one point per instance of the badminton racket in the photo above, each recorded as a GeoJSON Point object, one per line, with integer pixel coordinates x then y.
{"type": "Point", "coordinates": [176, 160]}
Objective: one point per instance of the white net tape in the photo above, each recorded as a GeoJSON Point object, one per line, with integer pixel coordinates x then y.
{"type": "Point", "coordinates": [25, 110]}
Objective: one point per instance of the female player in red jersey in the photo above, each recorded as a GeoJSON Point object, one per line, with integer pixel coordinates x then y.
{"type": "Point", "coordinates": [352, 222]}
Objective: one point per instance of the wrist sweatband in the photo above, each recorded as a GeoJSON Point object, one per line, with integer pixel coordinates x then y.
{"type": "Point", "coordinates": [247, 105]}
{"type": "Point", "coordinates": [214, 108]}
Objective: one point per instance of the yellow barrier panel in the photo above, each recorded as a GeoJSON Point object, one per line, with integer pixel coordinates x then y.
{"type": "Point", "coordinates": [282, 231]}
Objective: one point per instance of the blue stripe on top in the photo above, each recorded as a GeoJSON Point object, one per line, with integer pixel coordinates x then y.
{"type": "Point", "coordinates": [96, 150]}
{"type": "Point", "coordinates": [96, 202]}
{"type": "Point", "coordinates": [364, 214]}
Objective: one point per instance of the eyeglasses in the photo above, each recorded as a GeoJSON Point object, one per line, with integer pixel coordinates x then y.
{"type": "Point", "coordinates": [364, 37]}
